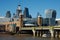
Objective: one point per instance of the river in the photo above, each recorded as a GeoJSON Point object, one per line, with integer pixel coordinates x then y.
{"type": "Point", "coordinates": [23, 37]}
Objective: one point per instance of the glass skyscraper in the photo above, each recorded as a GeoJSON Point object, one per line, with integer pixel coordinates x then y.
{"type": "Point", "coordinates": [8, 14]}
{"type": "Point", "coordinates": [26, 13]}
{"type": "Point", "coordinates": [51, 15]}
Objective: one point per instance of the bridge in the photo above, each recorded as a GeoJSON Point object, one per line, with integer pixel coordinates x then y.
{"type": "Point", "coordinates": [54, 30]}
{"type": "Point", "coordinates": [36, 30]}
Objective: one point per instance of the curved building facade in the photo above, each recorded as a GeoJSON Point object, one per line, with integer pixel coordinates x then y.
{"type": "Point", "coordinates": [50, 13]}
{"type": "Point", "coordinates": [51, 16]}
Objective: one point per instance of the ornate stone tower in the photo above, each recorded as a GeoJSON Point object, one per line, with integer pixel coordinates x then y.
{"type": "Point", "coordinates": [18, 11]}
{"type": "Point", "coordinates": [21, 20]}
{"type": "Point", "coordinates": [39, 20]}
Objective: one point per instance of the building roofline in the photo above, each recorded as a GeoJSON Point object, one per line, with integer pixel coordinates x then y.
{"type": "Point", "coordinates": [57, 19]}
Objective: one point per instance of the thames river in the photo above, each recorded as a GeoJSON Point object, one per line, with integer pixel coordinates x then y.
{"type": "Point", "coordinates": [23, 37]}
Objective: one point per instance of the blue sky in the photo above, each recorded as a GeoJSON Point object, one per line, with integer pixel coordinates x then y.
{"type": "Point", "coordinates": [33, 5]}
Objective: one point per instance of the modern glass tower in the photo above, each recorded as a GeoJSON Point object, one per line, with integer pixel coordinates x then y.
{"type": "Point", "coordinates": [50, 13]}
{"type": "Point", "coordinates": [26, 13]}
{"type": "Point", "coordinates": [8, 14]}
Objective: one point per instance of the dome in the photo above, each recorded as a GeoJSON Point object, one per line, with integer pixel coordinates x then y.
{"type": "Point", "coordinates": [19, 7]}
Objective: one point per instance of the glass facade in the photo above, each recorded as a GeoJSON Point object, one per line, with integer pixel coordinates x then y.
{"type": "Point", "coordinates": [48, 22]}
{"type": "Point", "coordinates": [50, 16]}
{"type": "Point", "coordinates": [50, 13]}
{"type": "Point", "coordinates": [26, 13]}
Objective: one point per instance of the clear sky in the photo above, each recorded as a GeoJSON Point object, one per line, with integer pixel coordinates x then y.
{"type": "Point", "coordinates": [33, 5]}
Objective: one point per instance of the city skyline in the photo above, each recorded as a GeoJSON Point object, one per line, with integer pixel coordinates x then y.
{"type": "Point", "coordinates": [33, 6]}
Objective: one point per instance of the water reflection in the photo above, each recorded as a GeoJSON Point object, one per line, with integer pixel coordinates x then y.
{"type": "Point", "coordinates": [25, 38]}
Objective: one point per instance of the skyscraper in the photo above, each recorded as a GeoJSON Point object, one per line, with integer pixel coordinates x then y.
{"type": "Point", "coordinates": [26, 13]}
{"type": "Point", "coordinates": [50, 13]}
{"type": "Point", "coordinates": [8, 14]}
{"type": "Point", "coordinates": [18, 11]}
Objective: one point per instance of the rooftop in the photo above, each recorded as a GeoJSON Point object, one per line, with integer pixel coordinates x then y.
{"type": "Point", "coordinates": [57, 19]}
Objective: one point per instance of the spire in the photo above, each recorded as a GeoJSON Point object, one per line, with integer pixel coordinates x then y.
{"type": "Point", "coordinates": [19, 7]}
{"type": "Point", "coordinates": [38, 14]}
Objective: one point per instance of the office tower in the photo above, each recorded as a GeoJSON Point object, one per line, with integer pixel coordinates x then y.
{"type": "Point", "coordinates": [48, 22]}
{"type": "Point", "coordinates": [50, 13]}
{"type": "Point", "coordinates": [30, 16]}
{"type": "Point", "coordinates": [26, 13]}
{"type": "Point", "coordinates": [18, 11]}
{"type": "Point", "coordinates": [8, 14]}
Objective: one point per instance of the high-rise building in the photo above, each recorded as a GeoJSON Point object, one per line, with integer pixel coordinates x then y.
{"type": "Point", "coordinates": [26, 13]}
{"type": "Point", "coordinates": [8, 14]}
{"type": "Point", "coordinates": [18, 11]}
{"type": "Point", "coordinates": [48, 22]}
{"type": "Point", "coordinates": [30, 16]}
{"type": "Point", "coordinates": [50, 13]}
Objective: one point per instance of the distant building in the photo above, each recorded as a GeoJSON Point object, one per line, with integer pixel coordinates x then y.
{"type": "Point", "coordinates": [48, 22]}
{"type": "Point", "coordinates": [30, 22]}
{"type": "Point", "coordinates": [14, 16]}
{"type": "Point", "coordinates": [8, 14]}
{"type": "Point", "coordinates": [26, 13]}
{"type": "Point", "coordinates": [30, 16]}
{"type": "Point", "coordinates": [39, 20]}
{"type": "Point", "coordinates": [51, 16]}
{"type": "Point", "coordinates": [25, 20]}
{"type": "Point", "coordinates": [50, 13]}
{"type": "Point", "coordinates": [57, 21]}
{"type": "Point", "coordinates": [18, 11]}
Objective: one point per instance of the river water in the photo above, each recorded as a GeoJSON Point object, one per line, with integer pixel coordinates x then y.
{"type": "Point", "coordinates": [24, 37]}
